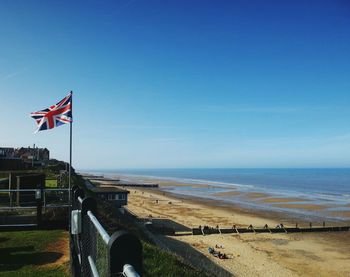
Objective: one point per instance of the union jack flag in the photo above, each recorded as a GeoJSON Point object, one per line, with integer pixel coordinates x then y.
{"type": "Point", "coordinates": [55, 115]}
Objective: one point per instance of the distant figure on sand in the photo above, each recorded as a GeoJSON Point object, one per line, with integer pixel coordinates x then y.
{"type": "Point", "coordinates": [217, 254]}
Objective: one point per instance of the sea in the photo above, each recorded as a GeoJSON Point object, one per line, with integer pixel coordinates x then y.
{"type": "Point", "coordinates": [327, 187]}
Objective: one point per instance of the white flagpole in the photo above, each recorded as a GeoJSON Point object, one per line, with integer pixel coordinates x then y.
{"type": "Point", "coordinates": [70, 153]}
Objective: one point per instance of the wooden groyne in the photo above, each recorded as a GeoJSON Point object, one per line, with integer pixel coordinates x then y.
{"type": "Point", "coordinates": [102, 179]}
{"type": "Point", "coordinates": [137, 185]}
{"type": "Point", "coordinates": [117, 183]}
{"type": "Point", "coordinates": [210, 231]}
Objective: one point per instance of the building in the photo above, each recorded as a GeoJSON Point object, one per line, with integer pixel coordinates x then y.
{"type": "Point", "coordinates": [23, 157]}
{"type": "Point", "coordinates": [8, 159]}
{"type": "Point", "coordinates": [117, 196]}
{"type": "Point", "coordinates": [33, 155]}
{"type": "Point", "coordinates": [7, 152]}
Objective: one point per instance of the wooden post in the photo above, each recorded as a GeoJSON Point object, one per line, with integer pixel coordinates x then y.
{"type": "Point", "coordinates": [39, 205]}
{"type": "Point", "coordinates": [18, 188]}
{"type": "Point", "coordinates": [10, 187]}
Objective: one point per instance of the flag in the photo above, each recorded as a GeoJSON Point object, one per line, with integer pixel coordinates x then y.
{"type": "Point", "coordinates": [54, 116]}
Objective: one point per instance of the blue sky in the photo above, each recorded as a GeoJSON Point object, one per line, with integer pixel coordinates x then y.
{"type": "Point", "coordinates": [161, 84]}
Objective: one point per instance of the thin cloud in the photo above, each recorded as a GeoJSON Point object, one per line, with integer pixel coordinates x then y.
{"type": "Point", "coordinates": [343, 137]}
{"type": "Point", "coordinates": [135, 126]}
{"type": "Point", "coordinates": [170, 139]}
{"type": "Point", "coordinates": [9, 76]}
{"type": "Point", "coordinates": [159, 127]}
{"type": "Point", "coordinates": [14, 74]}
{"type": "Point", "coordinates": [231, 109]}
{"type": "Point", "coordinates": [306, 140]}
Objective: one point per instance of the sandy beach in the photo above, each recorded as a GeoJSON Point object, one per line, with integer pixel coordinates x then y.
{"type": "Point", "coordinates": [294, 254]}
{"type": "Point", "coordinates": [313, 254]}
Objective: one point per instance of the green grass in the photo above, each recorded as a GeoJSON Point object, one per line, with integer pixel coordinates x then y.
{"type": "Point", "coordinates": [160, 263]}
{"type": "Point", "coordinates": [24, 253]}
{"type": "Point", "coordinates": [51, 183]}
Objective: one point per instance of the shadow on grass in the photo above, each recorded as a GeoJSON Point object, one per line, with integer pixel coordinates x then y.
{"type": "Point", "coordinates": [193, 257]}
{"type": "Point", "coordinates": [3, 239]}
{"type": "Point", "coordinates": [14, 258]}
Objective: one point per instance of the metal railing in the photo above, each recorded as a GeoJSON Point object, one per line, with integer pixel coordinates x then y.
{"type": "Point", "coordinates": [93, 251]}
{"type": "Point", "coordinates": [49, 198]}
{"type": "Point", "coordinates": [25, 207]}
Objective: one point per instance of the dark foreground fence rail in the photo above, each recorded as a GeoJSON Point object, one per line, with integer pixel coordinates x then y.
{"type": "Point", "coordinates": [93, 251]}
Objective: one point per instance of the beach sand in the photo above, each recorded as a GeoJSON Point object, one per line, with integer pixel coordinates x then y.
{"type": "Point", "coordinates": [304, 254]}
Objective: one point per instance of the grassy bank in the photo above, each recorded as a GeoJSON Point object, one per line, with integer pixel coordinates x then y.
{"type": "Point", "coordinates": [160, 263]}
{"type": "Point", "coordinates": [34, 253]}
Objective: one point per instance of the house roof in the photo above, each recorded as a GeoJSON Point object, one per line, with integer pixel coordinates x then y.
{"type": "Point", "coordinates": [108, 190]}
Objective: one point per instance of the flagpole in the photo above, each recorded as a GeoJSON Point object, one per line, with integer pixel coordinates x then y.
{"type": "Point", "coordinates": [70, 154]}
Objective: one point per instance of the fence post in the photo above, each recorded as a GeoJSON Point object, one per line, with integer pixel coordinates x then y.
{"type": "Point", "coordinates": [74, 260]}
{"type": "Point", "coordinates": [88, 204]}
{"type": "Point", "coordinates": [124, 248]}
{"type": "Point", "coordinates": [39, 205]}
{"type": "Point", "coordinates": [74, 239]}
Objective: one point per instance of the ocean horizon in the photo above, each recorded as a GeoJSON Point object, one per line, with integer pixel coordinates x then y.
{"type": "Point", "coordinates": [319, 186]}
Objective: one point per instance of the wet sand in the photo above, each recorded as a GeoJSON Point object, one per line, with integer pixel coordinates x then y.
{"type": "Point", "coordinates": [340, 213]}
{"type": "Point", "coordinates": [228, 193]}
{"type": "Point", "coordinates": [308, 207]}
{"type": "Point", "coordinates": [282, 200]}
